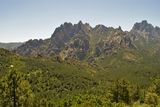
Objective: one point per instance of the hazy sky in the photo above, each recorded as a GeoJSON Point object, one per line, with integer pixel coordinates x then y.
{"type": "Point", "coordinates": [21, 20]}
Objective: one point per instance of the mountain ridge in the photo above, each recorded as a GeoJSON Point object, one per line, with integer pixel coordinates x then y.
{"type": "Point", "coordinates": [81, 41]}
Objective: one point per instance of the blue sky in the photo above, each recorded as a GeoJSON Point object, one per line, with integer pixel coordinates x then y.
{"type": "Point", "coordinates": [21, 20]}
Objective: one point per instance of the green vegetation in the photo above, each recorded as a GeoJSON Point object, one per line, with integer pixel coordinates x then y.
{"type": "Point", "coordinates": [49, 82]}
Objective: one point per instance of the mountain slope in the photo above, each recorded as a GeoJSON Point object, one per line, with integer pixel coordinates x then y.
{"type": "Point", "coordinates": [114, 51]}
{"type": "Point", "coordinates": [81, 41]}
{"type": "Point", "coordinates": [78, 38]}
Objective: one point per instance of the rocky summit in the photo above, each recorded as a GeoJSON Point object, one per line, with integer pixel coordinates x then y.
{"type": "Point", "coordinates": [81, 41]}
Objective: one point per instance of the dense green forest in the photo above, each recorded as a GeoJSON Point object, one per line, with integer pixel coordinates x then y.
{"type": "Point", "coordinates": [51, 82]}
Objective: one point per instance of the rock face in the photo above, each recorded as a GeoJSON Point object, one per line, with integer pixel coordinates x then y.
{"type": "Point", "coordinates": [81, 41]}
{"type": "Point", "coordinates": [145, 30]}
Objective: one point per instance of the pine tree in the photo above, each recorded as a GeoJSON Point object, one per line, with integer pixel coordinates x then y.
{"type": "Point", "coordinates": [120, 91]}
{"type": "Point", "coordinates": [15, 90]}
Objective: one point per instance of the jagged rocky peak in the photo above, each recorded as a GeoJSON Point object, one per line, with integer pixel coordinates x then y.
{"type": "Point", "coordinates": [100, 26]}
{"type": "Point", "coordinates": [63, 28]}
{"type": "Point", "coordinates": [119, 28]}
{"type": "Point", "coordinates": [80, 23]}
{"type": "Point", "coordinates": [34, 42]}
{"type": "Point", "coordinates": [68, 29]}
{"type": "Point", "coordinates": [80, 26]}
{"type": "Point", "coordinates": [80, 39]}
{"type": "Point", "coordinates": [146, 29]}
{"type": "Point", "coordinates": [143, 26]}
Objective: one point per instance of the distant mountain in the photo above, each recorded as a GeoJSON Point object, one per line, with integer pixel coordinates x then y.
{"type": "Point", "coordinates": [10, 46]}
{"type": "Point", "coordinates": [81, 41]}
{"type": "Point", "coordinates": [59, 39]}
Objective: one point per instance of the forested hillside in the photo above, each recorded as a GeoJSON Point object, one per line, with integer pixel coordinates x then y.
{"type": "Point", "coordinates": [52, 82]}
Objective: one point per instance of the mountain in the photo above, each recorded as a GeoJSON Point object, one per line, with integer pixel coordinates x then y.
{"type": "Point", "coordinates": [114, 51]}
{"type": "Point", "coordinates": [81, 41]}
{"type": "Point", "coordinates": [57, 42]}
{"type": "Point", "coordinates": [77, 41]}
{"type": "Point", "coordinates": [10, 46]}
